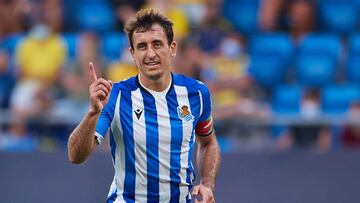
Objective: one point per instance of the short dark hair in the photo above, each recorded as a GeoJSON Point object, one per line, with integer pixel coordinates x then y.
{"type": "Point", "coordinates": [144, 20]}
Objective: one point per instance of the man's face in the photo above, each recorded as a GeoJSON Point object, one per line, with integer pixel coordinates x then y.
{"type": "Point", "coordinates": [151, 52]}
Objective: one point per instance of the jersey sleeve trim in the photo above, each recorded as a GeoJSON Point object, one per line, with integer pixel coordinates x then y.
{"type": "Point", "coordinates": [99, 137]}
{"type": "Point", "coordinates": [201, 102]}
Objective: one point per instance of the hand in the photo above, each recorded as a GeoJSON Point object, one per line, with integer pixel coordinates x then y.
{"type": "Point", "coordinates": [99, 91]}
{"type": "Point", "coordinates": [203, 194]}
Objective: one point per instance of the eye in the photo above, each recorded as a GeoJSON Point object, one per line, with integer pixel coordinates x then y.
{"type": "Point", "coordinates": [141, 46]}
{"type": "Point", "coordinates": [157, 45]}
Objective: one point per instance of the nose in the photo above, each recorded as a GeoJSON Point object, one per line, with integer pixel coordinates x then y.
{"type": "Point", "coordinates": [150, 53]}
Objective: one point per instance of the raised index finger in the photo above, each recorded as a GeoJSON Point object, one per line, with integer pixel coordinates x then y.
{"type": "Point", "coordinates": [93, 76]}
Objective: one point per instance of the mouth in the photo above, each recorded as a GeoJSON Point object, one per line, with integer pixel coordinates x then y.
{"type": "Point", "coordinates": [152, 64]}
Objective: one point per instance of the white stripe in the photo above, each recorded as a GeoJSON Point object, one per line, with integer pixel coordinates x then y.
{"type": "Point", "coordinates": [201, 102]}
{"type": "Point", "coordinates": [119, 200]}
{"type": "Point", "coordinates": [164, 128]}
{"type": "Point", "coordinates": [119, 164]}
{"type": "Point", "coordinates": [140, 147]}
{"type": "Point", "coordinates": [113, 189]}
{"type": "Point", "coordinates": [182, 98]}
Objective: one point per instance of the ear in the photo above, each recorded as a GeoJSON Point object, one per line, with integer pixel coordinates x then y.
{"type": "Point", "coordinates": [173, 48]}
{"type": "Point", "coordinates": [132, 52]}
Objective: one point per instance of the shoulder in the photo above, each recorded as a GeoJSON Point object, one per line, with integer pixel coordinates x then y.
{"type": "Point", "coordinates": [129, 84]}
{"type": "Point", "coordinates": [189, 83]}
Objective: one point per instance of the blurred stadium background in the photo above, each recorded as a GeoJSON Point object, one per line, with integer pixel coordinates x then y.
{"type": "Point", "coordinates": [284, 75]}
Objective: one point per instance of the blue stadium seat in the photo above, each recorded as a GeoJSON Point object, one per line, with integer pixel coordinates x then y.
{"type": "Point", "coordinates": [10, 42]}
{"type": "Point", "coordinates": [242, 14]}
{"type": "Point", "coordinates": [317, 59]}
{"type": "Point", "coordinates": [354, 44]}
{"type": "Point", "coordinates": [267, 71]}
{"type": "Point", "coordinates": [353, 71]}
{"type": "Point", "coordinates": [112, 45]}
{"type": "Point", "coordinates": [70, 40]}
{"type": "Point", "coordinates": [270, 55]}
{"type": "Point", "coordinates": [336, 99]}
{"type": "Point", "coordinates": [321, 43]}
{"type": "Point", "coordinates": [98, 17]}
{"type": "Point", "coordinates": [279, 44]}
{"type": "Point", "coordinates": [286, 99]}
{"type": "Point", "coordinates": [339, 15]}
{"type": "Point", "coordinates": [315, 70]}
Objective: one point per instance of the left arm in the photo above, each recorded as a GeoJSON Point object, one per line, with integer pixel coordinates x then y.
{"type": "Point", "coordinates": [208, 160]}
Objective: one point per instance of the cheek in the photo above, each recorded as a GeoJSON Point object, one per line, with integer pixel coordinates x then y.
{"type": "Point", "coordinates": [166, 55]}
{"type": "Point", "coordinates": [138, 57]}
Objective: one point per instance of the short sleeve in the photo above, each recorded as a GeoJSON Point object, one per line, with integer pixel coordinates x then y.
{"type": "Point", "coordinates": [106, 117]}
{"type": "Point", "coordinates": [204, 126]}
{"type": "Point", "coordinates": [205, 99]}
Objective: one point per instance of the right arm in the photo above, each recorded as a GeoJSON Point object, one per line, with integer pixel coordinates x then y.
{"type": "Point", "coordinates": [82, 140]}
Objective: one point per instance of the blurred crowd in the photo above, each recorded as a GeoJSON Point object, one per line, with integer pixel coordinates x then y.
{"type": "Point", "coordinates": [46, 45]}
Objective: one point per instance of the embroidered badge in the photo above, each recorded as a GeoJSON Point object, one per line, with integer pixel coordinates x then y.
{"type": "Point", "coordinates": [184, 113]}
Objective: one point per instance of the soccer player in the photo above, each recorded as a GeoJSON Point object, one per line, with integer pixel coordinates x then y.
{"type": "Point", "coordinates": [153, 118]}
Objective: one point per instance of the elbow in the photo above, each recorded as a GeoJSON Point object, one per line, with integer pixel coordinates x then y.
{"type": "Point", "coordinates": [75, 159]}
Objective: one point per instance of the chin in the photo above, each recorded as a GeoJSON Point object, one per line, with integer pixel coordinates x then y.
{"type": "Point", "coordinates": [154, 76]}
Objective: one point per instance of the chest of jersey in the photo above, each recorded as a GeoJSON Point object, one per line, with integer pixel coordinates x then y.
{"type": "Point", "coordinates": [161, 119]}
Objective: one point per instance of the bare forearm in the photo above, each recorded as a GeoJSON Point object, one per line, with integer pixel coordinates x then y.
{"type": "Point", "coordinates": [82, 142]}
{"type": "Point", "coordinates": [208, 160]}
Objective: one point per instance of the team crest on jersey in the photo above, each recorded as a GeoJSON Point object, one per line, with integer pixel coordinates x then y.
{"type": "Point", "coordinates": [184, 113]}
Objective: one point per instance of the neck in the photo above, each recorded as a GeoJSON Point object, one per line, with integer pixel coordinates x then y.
{"type": "Point", "coordinates": [157, 85]}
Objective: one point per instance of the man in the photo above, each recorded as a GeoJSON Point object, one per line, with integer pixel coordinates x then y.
{"type": "Point", "coordinates": [153, 118]}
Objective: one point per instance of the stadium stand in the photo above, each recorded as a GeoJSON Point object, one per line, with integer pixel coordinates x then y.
{"type": "Point", "coordinates": [282, 60]}
{"type": "Point", "coordinates": [270, 57]}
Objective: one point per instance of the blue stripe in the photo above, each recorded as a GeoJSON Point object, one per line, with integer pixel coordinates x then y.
{"type": "Point", "coordinates": [128, 200]}
{"type": "Point", "coordinates": [176, 141]}
{"type": "Point", "coordinates": [128, 136]}
{"type": "Point", "coordinates": [112, 198]}
{"type": "Point", "coordinates": [112, 145]}
{"type": "Point", "coordinates": [194, 101]}
{"type": "Point", "coordinates": [152, 146]}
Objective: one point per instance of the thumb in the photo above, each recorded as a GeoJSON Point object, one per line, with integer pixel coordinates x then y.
{"type": "Point", "coordinates": [93, 76]}
{"type": "Point", "coordinates": [195, 190]}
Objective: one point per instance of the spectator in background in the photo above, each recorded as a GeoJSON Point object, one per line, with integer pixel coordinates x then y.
{"type": "Point", "coordinates": [350, 136]}
{"type": "Point", "coordinates": [122, 69]}
{"type": "Point", "coordinates": [15, 16]}
{"type": "Point", "coordinates": [171, 9]}
{"type": "Point", "coordinates": [40, 57]}
{"type": "Point", "coordinates": [269, 14]}
{"type": "Point", "coordinates": [7, 79]}
{"type": "Point", "coordinates": [302, 18]}
{"type": "Point", "coordinates": [17, 138]}
{"type": "Point", "coordinates": [315, 136]}
{"type": "Point", "coordinates": [53, 14]}
{"type": "Point", "coordinates": [298, 17]}
{"type": "Point", "coordinates": [190, 59]}
{"type": "Point", "coordinates": [229, 81]}
{"type": "Point", "coordinates": [74, 78]}
{"type": "Point", "coordinates": [213, 28]}
{"type": "Point", "coordinates": [126, 9]}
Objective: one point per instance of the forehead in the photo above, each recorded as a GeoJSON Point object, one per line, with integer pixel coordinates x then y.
{"type": "Point", "coordinates": [155, 33]}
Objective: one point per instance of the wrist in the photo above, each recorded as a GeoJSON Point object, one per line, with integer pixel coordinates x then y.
{"type": "Point", "coordinates": [93, 112]}
{"type": "Point", "coordinates": [208, 185]}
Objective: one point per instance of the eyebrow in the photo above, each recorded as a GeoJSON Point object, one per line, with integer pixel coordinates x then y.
{"type": "Point", "coordinates": [140, 43]}
{"type": "Point", "coordinates": [157, 40]}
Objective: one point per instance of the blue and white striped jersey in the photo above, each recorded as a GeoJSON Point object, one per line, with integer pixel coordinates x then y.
{"type": "Point", "coordinates": [152, 137]}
